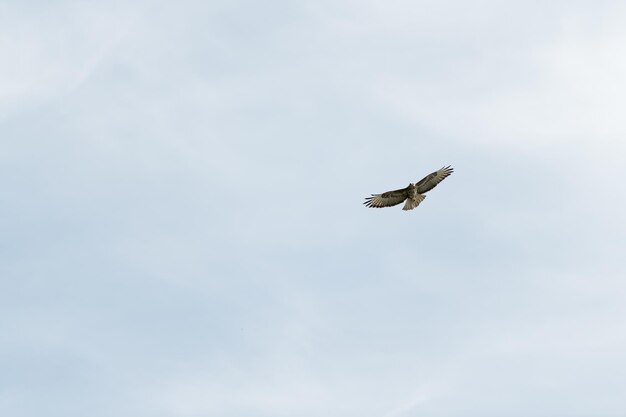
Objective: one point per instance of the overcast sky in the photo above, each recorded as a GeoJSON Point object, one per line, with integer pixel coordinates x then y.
{"type": "Point", "coordinates": [181, 222]}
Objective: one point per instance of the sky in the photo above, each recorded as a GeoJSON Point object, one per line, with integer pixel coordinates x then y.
{"type": "Point", "coordinates": [181, 219]}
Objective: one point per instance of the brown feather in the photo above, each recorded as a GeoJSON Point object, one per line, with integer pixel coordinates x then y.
{"type": "Point", "coordinates": [413, 192]}
{"type": "Point", "coordinates": [431, 180]}
{"type": "Point", "coordinates": [388, 199]}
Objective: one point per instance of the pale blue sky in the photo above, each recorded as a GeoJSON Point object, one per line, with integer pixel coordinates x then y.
{"type": "Point", "coordinates": [182, 223]}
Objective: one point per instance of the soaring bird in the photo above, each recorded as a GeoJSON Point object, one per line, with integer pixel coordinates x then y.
{"type": "Point", "coordinates": [413, 194]}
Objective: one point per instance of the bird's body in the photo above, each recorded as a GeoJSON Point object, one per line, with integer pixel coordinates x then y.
{"type": "Point", "coordinates": [413, 194]}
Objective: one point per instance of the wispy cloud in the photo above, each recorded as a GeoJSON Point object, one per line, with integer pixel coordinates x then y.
{"type": "Point", "coordinates": [51, 51]}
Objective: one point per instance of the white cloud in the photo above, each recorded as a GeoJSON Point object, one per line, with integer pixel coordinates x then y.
{"type": "Point", "coordinates": [48, 51]}
{"type": "Point", "coordinates": [182, 218]}
{"type": "Point", "coordinates": [561, 89]}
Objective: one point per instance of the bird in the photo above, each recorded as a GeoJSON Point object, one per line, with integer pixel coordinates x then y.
{"type": "Point", "coordinates": [413, 194]}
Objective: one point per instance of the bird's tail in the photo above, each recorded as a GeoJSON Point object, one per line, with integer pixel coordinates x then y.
{"type": "Point", "coordinates": [411, 203]}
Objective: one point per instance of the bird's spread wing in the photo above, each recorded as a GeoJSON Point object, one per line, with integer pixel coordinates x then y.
{"type": "Point", "coordinates": [430, 181]}
{"type": "Point", "coordinates": [388, 199]}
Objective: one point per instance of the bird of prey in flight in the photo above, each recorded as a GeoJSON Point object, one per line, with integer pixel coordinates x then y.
{"type": "Point", "coordinates": [413, 194]}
